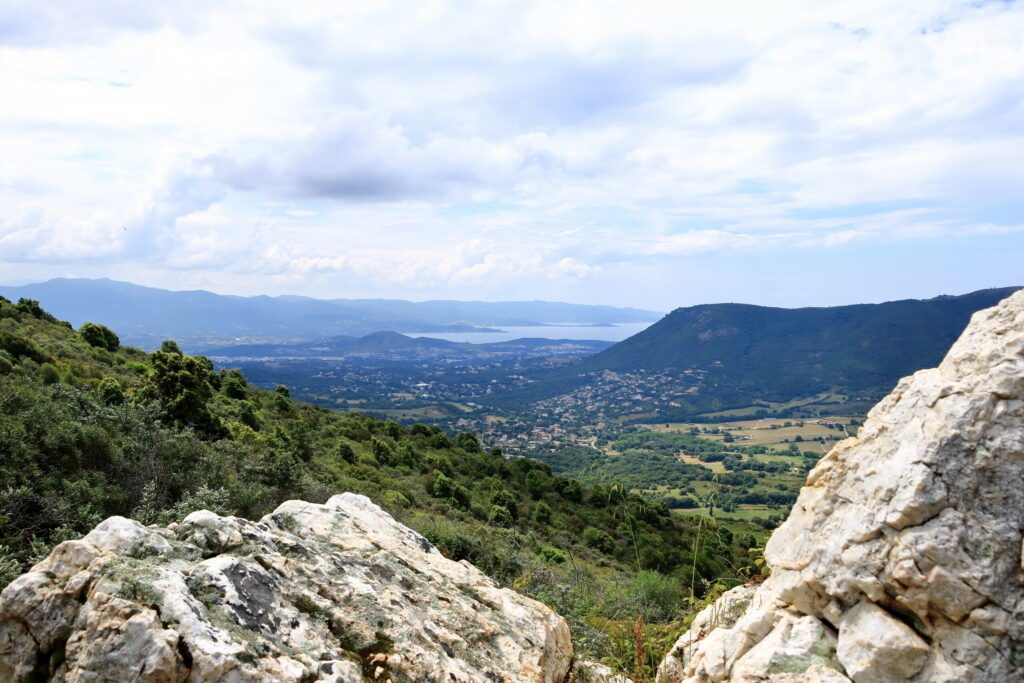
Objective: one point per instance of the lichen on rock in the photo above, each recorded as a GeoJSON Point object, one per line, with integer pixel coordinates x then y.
{"type": "Point", "coordinates": [332, 593]}
{"type": "Point", "coordinates": [903, 552]}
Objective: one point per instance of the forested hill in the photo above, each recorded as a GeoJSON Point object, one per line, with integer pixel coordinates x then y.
{"type": "Point", "coordinates": [781, 353]}
{"type": "Point", "coordinates": [720, 356]}
{"type": "Point", "coordinates": [90, 428]}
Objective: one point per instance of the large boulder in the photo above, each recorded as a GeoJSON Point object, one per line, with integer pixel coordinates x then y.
{"type": "Point", "coordinates": [335, 592]}
{"type": "Point", "coordinates": [902, 558]}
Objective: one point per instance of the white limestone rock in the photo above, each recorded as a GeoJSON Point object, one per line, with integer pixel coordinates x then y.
{"type": "Point", "coordinates": [335, 593]}
{"type": "Point", "coordinates": [905, 540]}
{"type": "Point", "coordinates": [876, 648]}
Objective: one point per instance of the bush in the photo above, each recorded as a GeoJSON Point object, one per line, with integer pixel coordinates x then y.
{"type": "Point", "coordinates": [19, 347]}
{"type": "Point", "coordinates": [395, 499]}
{"type": "Point", "coordinates": [447, 488]}
{"type": "Point", "coordinates": [598, 540]}
{"type": "Point", "coordinates": [181, 384]}
{"type": "Point", "coordinates": [233, 384]}
{"type": "Point", "coordinates": [345, 453]}
{"type": "Point", "coordinates": [100, 336]}
{"type": "Point", "coordinates": [552, 555]}
{"type": "Point", "coordinates": [500, 516]}
{"type": "Point", "coordinates": [30, 307]}
{"type": "Point", "coordinates": [382, 451]}
{"type": "Point", "coordinates": [48, 374]}
{"type": "Point", "coordinates": [506, 499]}
{"type": "Point", "coordinates": [570, 489]}
{"type": "Point", "coordinates": [468, 442]}
{"type": "Point", "coordinates": [110, 391]}
{"type": "Point", "coordinates": [542, 513]}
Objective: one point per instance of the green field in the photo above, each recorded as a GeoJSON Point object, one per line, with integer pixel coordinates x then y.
{"type": "Point", "coordinates": [813, 434]}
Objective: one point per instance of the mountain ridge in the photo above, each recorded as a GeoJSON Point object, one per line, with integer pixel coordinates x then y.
{"type": "Point", "coordinates": [145, 316]}
{"type": "Point", "coordinates": [745, 353]}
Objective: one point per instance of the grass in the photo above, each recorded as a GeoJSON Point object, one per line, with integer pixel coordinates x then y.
{"type": "Point", "coordinates": [694, 460]}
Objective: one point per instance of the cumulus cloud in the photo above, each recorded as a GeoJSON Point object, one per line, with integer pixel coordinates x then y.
{"type": "Point", "coordinates": [442, 149]}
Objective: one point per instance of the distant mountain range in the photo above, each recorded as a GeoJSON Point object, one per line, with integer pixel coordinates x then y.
{"type": "Point", "coordinates": [395, 346]}
{"type": "Point", "coordinates": [144, 316]}
{"type": "Point", "coordinates": [748, 353]}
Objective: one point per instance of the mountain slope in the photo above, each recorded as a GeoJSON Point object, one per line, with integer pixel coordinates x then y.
{"type": "Point", "coordinates": [746, 353]}
{"type": "Point", "coordinates": [90, 428]}
{"type": "Point", "coordinates": [145, 316]}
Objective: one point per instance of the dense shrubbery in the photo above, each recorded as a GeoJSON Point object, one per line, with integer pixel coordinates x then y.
{"type": "Point", "coordinates": [90, 429]}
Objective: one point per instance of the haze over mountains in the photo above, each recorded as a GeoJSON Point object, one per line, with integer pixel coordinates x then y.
{"type": "Point", "coordinates": [145, 316]}
{"type": "Point", "coordinates": [396, 346]}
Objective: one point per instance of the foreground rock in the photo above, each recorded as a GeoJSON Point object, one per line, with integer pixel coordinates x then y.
{"type": "Point", "coordinates": [335, 592]}
{"type": "Point", "coordinates": [901, 560]}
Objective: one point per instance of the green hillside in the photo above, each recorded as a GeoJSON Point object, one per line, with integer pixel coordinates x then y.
{"type": "Point", "coordinates": [749, 354]}
{"type": "Point", "coordinates": [90, 428]}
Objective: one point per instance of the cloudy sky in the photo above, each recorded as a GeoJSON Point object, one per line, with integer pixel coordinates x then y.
{"type": "Point", "coordinates": [648, 154]}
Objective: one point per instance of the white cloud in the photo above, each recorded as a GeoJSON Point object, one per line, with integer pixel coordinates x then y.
{"type": "Point", "coordinates": [435, 148]}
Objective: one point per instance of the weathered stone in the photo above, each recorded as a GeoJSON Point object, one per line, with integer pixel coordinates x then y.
{"type": "Point", "coordinates": [875, 648]}
{"type": "Point", "coordinates": [335, 592]}
{"type": "Point", "coordinates": [907, 538]}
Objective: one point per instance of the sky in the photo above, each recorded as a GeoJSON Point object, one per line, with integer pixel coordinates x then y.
{"type": "Point", "coordinates": [649, 154]}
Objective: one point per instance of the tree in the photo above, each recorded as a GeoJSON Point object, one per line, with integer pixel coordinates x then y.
{"type": "Point", "coordinates": [598, 540]}
{"type": "Point", "coordinates": [344, 452]}
{"type": "Point", "coordinates": [31, 307]}
{"type": "Point", "coordinates": [181, 384]}
{"type": "Point", "coordinates": [392, 429]}
{"type": "Point", "coordinates": [170, 346]}
{"type": "Point", "coordinates": [500, 516]}
{"type": "Point", "coordinates": [110, 391]}
{"type": "Point", "coordinates": [100, 336]}
{"type": "Point", "coordinates": [468, 442]}
{"type": "Point", "coordinates": [536, 484]}
{"type": "Point", "coordinates": [382, 451]}
{"type": "Point", "coordinates": [233, 383]}
{"type": "Point", "coordinates": [507, 500]}
{"type": "Point", "coordinates": [542, 513]}
{"type": "Point", "coordinates": [570, 489]}
{"type": "Point", "coordinates": [248, 416]}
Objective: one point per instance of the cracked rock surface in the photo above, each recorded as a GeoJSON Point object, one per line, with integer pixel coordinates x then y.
{"type": "Point", "coordinates": [901, 560]}
{"type": "Point", "coordinates": [334, 593]}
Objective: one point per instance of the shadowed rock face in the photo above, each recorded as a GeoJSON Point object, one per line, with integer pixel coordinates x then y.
{"type": "Point", "coordinates": [334, 592]}
{"type": "Point", "coordinates": [901, 560]}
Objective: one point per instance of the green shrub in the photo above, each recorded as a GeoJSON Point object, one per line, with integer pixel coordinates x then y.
{"type": "Point", "coordinates": [500, 516]}
{"type": "Point", "coordinates": [48, 374]}
{"type": "Point", "coordinates": [100, 336]}
{"type": "Point", "coordinates": [110, 391]}
{"type": "Point", "coordinates": [345, 452]}
{"type": "Point", "coordinates": [552, 555]}
{"type": "Point", "coordinates": [19, 347]}
{"type": "Point", "coordinates": [233, 384]}
{"type": "Point", "coordinates": [506, 499]}
{"type": "Point", "coordinates": [542, 513]}
{"type": "Point", "coordinates": [598, 540]}
{"type": "Point", "coordinates": [468, 442]}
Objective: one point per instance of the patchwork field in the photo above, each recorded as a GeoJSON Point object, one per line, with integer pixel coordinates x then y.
{"type": "Point", "coordinates": [815, 434]}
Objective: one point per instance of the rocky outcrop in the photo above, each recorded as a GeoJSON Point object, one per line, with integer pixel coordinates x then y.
{"type": "Point", "coordinates": [902, 558]}
{"type": "Point", "coordinates": [335, 592]}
